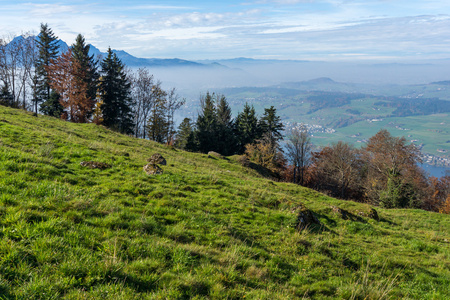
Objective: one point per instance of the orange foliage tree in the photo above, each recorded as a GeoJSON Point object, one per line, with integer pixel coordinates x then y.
{"type": "Point", "coordinates": [66, 78]}
{"type": "Point", "coordinates": [393, 176]}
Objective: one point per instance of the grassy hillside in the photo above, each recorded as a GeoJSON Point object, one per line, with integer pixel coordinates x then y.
{"type": "Point", "coordinates": [206, 229]}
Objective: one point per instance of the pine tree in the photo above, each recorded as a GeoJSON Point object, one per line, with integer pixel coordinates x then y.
{"type": "Point", "coordinates": [53, 106]}
{"type": "Point", "coordinates": [247, 127]}
{"type": "Point", "coordinates": [6, 98]}
{"type": "Point", "coordinates": [271, 125]}
{"type": "Point", "coordinates": [47, 51]}
{"type": "Point", "coordinates": [185, 136]}
{"type": "Point", "coordinates": [225, 134]}
{"type": "Point", "coordinates": [115, 91]}
{"type": "Point", "coordinates": [85, 75]}
{"type": "Point", "coordinates": [206, 133]}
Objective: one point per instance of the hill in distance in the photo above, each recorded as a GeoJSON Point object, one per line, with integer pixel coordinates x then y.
{"type": "Point", "coordinates": [207, 228]}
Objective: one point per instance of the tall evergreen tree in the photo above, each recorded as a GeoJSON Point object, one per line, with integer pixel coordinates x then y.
{"type": "Point", "coordinates": [247, 127]}
{"type": "Point", "coordinates": [115, 91]}
{"type": "Point", "coordinates": [6, 98]}
{"type": "Point", "coordinates": [53, 106]}
{"type": "Point", "coordinates": [47, 51]}
{"type": "Point", "coordinates": [206, 133]}
{"type": "Point", "coordinates": [185, 136]}
{"type": "Point", "coordinates": [271, 125]}
{"type": "Point", "coordinates": [86, 74]}
{"type": "Point", "coordinates": [225, 134]}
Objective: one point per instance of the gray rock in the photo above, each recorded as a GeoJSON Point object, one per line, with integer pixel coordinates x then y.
{"type": "Point", "coordinates": [152, 169]}
{"type": "Point", "coordinates": [157, 159]}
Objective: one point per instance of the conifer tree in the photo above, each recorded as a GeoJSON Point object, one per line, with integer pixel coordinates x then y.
{"type": "Point", "coordinates": [271, 125]}
{"type": "Point", "coordinates": [206, 133]}
{"type": "Point", "coordinates": [225, 134]}
{"type": "Point", "coordinates": [115, 91]}
{"type": "Point", "coordinates": [6, 98]}
{"type": "Point", "coordinates": [86, 74]}
{"type": "Point", "coordinates": [185, 136]}
{"type": "Point", "coordinates": [247, 127]}
{"type": "Point", "coordinates": [47, 51]}
{"type": "Point", "coordinates": [53, 106]}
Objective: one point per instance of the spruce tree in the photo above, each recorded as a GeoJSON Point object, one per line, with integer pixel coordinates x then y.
{"type": "Point", "coordinates": [247, 127]}
{"type": "Point", "coordinates": [53, 106]}
{"type": "Point", "coordinates": [271, 125]}
{"type": "Point", "coordinates": [185, 136]}
{"type": "Point", "coordinates": [206, 133]}
{"type": "Point", "coordinates": [86, 73]}
{"type": "Point", "coordinates": [115, 92]}
{"type": "Point", "coordinates": [225, 134]}
{"type": "Point", "coordinates": [6, 98]}
{"type": "Point", "coordinates": [47, 45]}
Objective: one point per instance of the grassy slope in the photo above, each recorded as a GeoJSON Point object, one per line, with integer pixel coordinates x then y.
{"type": "Point", "coordinates": [206, 228]}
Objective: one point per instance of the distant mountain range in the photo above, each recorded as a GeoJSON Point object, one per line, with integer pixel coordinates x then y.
{"type": "Point", "coordinates": [242, 71]}
{"type": "Point", "coordinates": [131, 60]}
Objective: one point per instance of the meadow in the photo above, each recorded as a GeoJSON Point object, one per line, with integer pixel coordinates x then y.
{"type": "Point", "coordinates": [207, 228]}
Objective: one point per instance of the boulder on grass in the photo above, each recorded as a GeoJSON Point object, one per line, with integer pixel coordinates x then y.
{"type": "Point", "coordinates": [305, 218]}
{"type": "Point", "coordinates": [152, 169]}
{"type": "Point", "coordinates": [157, 159]}
{"type": "Point", "coordinates": [95, 165]}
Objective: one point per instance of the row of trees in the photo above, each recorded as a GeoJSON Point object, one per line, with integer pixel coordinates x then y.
{"type": "Point", "coordinates": [384, 172]}
{"type": "Point", "coordinates": [216, 130]}
{"type": "Point", "coordinates": [75, 86]}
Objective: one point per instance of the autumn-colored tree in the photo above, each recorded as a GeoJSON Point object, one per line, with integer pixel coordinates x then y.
{"type": "Point", "coordinates": [445, 207]}
{"type": "Point", "coordinates": [66, 75]}
{"type": "Point", "coordinates": [262, 152]}
{"type": "Point", "coordinates": [339, 170]}
{"type": "Point", "coordinates": [438, 195]}
{"type": "Point", "coordinates": [392, 164]}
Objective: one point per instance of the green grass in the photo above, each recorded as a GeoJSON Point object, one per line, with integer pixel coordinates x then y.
{"type": "Point", "coordinates": [205, 229]}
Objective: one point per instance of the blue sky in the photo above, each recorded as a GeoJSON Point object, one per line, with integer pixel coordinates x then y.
{"type": "Point", "coordinates": [385, 30]}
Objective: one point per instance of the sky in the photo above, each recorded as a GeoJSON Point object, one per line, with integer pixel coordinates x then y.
{"type": "Point", "coordinates": [327, 30]}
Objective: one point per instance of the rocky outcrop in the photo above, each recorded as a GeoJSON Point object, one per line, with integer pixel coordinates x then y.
{"type": "Point", "coordinates": [157, 159]}
{"type": "Point", "coordinates": [152, 169]}
{"type": "Point", "coordinates": [305, 218]}
{"type": "Point", "coordinates": [95, 165]}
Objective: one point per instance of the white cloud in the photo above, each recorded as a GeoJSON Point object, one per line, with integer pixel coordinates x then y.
{"type": "Point", "coordinates": [48, 10]}
{"type": "Point", "coordinates": [266, 28]}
